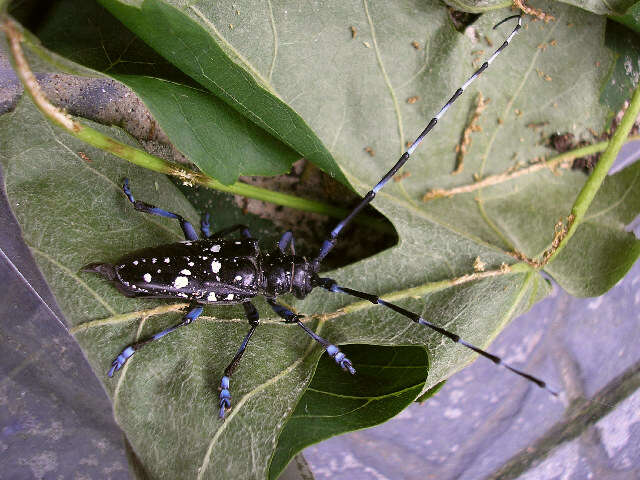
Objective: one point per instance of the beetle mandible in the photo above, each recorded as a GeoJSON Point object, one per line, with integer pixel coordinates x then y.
{"type": "Point", "coordinates": [220, 271]}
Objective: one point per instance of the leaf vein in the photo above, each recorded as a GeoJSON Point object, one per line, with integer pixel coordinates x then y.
{"type": "Point", "coordinates": [72, 275]}
{"type": "Point", "coordinates": [275, 41]}
{"type": "Point", "coordinates": [386, 78]}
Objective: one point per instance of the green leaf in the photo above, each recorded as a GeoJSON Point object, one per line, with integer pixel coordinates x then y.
{"type": "Point", "coordinates": [625, 73]}
{"type": "Point", "coordinates": [199, 52]}
{"type": "Point", "coordinates": [210, 132]}
{"type": "Point", "coordinates": [199, 124]}
{"type": "Point", "coordinates": [630, 17]}
{"type": "Point", "coordinates": [352, 93]}
{"type": "Point", "coordinates": [72, 213]}
{"type": "Point", "coordinates": [388, 380]}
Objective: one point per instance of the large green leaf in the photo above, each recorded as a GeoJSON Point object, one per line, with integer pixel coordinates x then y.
{"type": "Point", "coordinates": [533, 84]}
{"type": "Point", "coordinates": [352, 93]}
{"type": "Point", "coordinates": [630, 17]}
{"type": "Point", "coordinates": [72, 213]}
{"type": "Point", "coordinates": [388, 379]}
{"type": "Point", "coordinates": [200, 53]}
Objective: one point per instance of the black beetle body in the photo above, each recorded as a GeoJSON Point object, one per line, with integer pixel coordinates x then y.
{"type": "Point", "coordinates": [209, 271]}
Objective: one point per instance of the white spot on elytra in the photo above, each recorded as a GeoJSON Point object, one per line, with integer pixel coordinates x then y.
{"type": "Point", "coordinates": [238, 277]}
{"type": "Point", "coordinates": [212, 297]}
{"type": "Point", "coordinates": [147, 277]}
{"type": "Point", "coordinates": [166, 260]}
{"type": "Point", "coordinates": [185, 272]}
{"type": "Point", "coordinates": [154, 260]}
{"type": "Point", "coordinates": [158, 270]}
{"type": "Point", "coordinates": [215, 266]}
{"type": "Point", "coordinates": [135, 262]}
{"type": "Point", "coordinates": [215, 248]}
{"type": "Point", "coordinates": [238, 243]}
{"type": "Point", "coordinates": [230, 296]}
{"type": "Point", "coordinates": [180, 282]}
{"type": "Point", "coordinates": [191, 264]}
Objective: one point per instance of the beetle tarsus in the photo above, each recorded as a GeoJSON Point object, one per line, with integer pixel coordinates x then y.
{"type": "Point", "coordinates": [341, 359]}
{"type": "Point", "coordinates": [119, 362]}
{"type": "Point", "coordinates": [224, 396]}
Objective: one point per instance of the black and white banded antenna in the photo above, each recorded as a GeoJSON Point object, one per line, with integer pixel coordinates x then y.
{"type": "Point", "coordinates": [332, 286]}
{"type": "Point", "coordinates": [328, 244]}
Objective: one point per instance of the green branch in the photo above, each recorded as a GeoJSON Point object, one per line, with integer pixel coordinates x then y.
{"type": "Point", "coordinates": [591, 187]}
{"type": "Point", "coordinates": [143, 159]}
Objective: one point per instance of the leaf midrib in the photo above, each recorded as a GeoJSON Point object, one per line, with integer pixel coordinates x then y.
{"type": "Point", "coordinates": [367, 398]}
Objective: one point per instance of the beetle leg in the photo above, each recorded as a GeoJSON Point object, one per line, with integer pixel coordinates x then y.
{"type": "Point", "coordinates": [287, 241]}
{"type": "Point", "coordinates": [128, 352]}
{"type": "Point", "coordinates": [333, 351]}
{"type": "Point", "coordinates": [187, 228]}
{"type": "Point", "coordinates": [225, 396]}
{"type": "Point", "coordinates": [205, 226]}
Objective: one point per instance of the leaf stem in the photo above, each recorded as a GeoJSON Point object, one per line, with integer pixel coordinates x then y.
{"type": "Point", "coordinates": [591, 187]}
{"type": "Point", "coordinates": [143, 159]}
{"type": "Point", "coordinates": [562, 161]}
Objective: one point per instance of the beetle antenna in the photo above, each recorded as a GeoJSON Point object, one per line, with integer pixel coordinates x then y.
{"type": "Point", "coordinates": [332, 286]}
{"type": "Point", "coordinates": [328, 244]}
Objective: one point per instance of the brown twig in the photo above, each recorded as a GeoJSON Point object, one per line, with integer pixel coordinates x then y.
{"type": "Point", "coordinates": [534, 12]}
{"type": "Point", "coordinates": [564, 161]}
{"type": "Point", "coordinates": [14, 36]}
{"type": "Point", "coordinates": [465, 143]}
{"type": "Point", "coordinates": [560, 231]}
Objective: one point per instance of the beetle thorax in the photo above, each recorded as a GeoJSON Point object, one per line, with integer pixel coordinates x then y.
{"type": "Point", "coordinates": [286, 274]}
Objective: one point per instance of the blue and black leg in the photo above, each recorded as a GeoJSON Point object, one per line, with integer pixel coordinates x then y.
{"type": "Point", "coordinates": [187, 228]}
{"type": "Point", "coordinates": [333, 351]}
{"type": "Point", "coordinates": [205, 226]}
{"type": "Point", "coordinates": [225, 396]}
{"type": "Point", "coordinates": [287, 241]}
{"type": "Point", "coordinates": [194, 312]}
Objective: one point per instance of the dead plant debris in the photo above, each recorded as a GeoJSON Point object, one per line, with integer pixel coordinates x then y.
{"type": "Point", "coordinates": [534, 12]}
{"type": "Point", "coordinates": [465, 142]}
